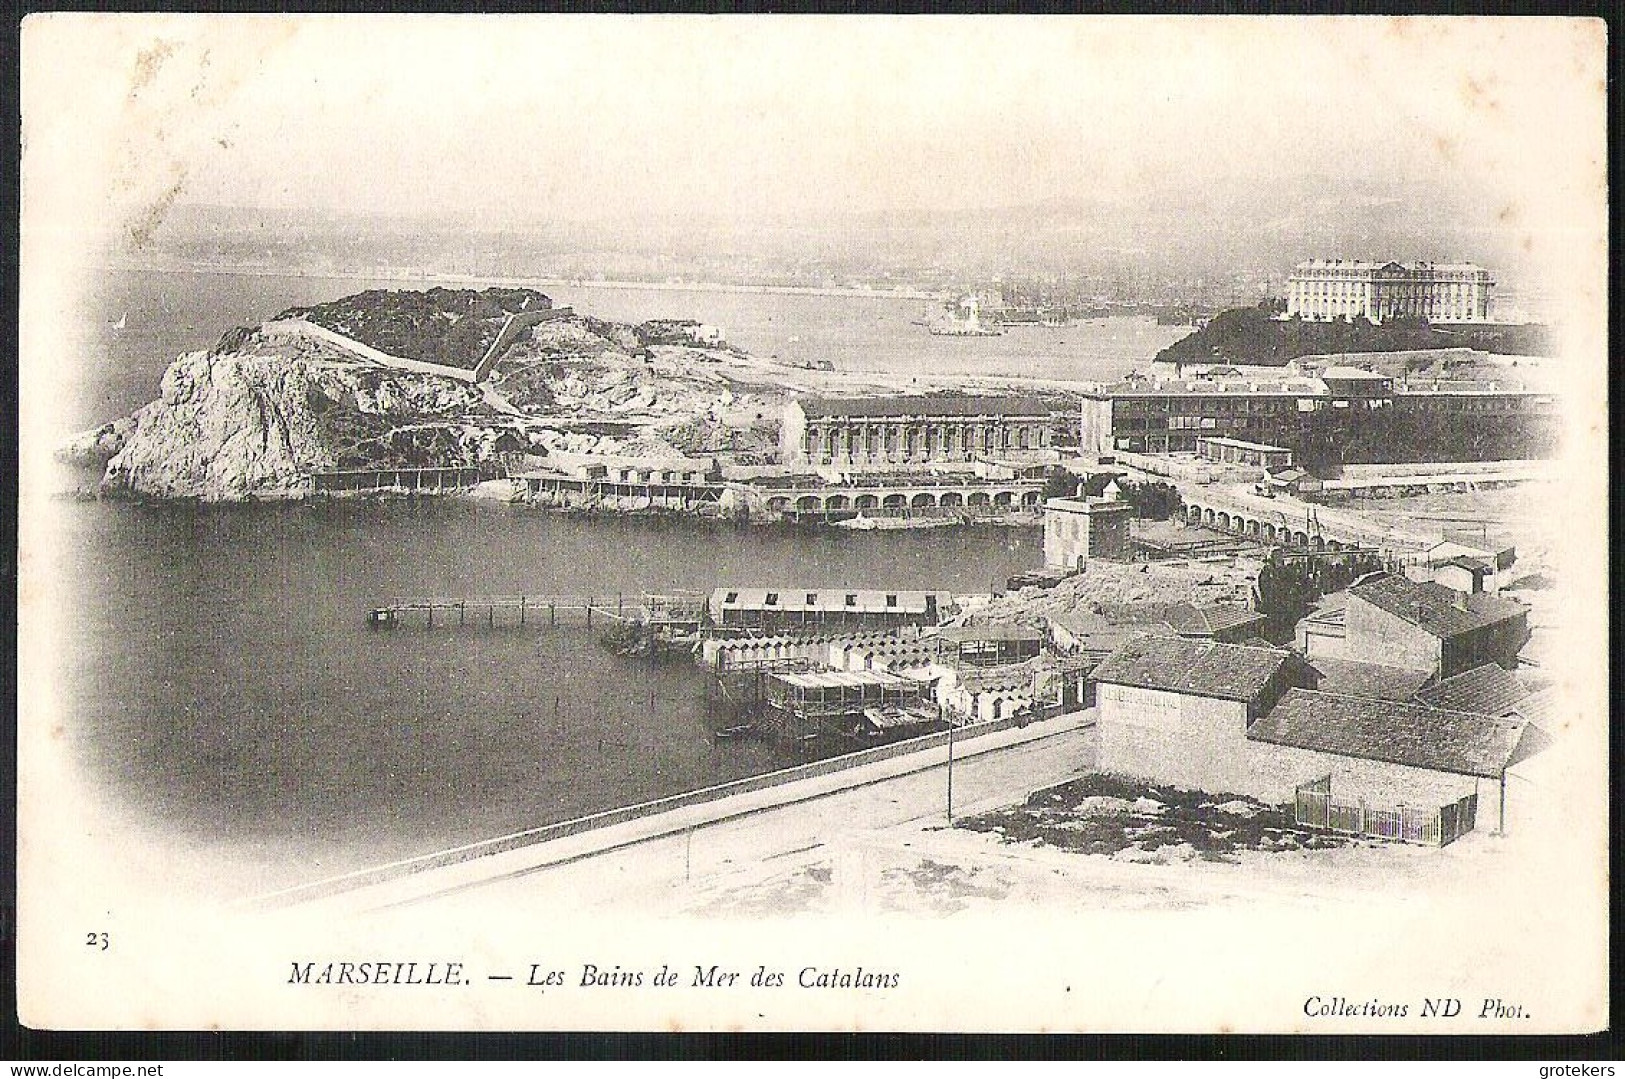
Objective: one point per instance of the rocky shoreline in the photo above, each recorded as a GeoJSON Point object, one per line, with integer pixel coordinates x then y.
{"type": "Point", "coordinates": [254, 417]}
{"type": "Point", "coordinates": [257, 416]}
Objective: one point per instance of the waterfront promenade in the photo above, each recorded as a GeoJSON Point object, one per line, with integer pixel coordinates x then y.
{"type": "Point", "coordinates": [873, 840]}
{"type": "Point", "coordinates": [642, 861]}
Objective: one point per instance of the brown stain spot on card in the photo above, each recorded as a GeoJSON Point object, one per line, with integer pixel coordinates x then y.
{"type": "Point", "coordinates": [28, 586]}
{"type": "Point", "coordinates": [147, 64]}
{"type": "Point", "coordinates": [58, 731]}
{"type": "Point", "coordinates": [147, 222]}
{"type": "Point", "coordinates": [202, 81]}
{"type": "Point", "coordinates": [1480, 95]}
{"type": "Point", "coordinates": [1446, 147]}
{"type": "Point", "coordinates": [673, 1026]}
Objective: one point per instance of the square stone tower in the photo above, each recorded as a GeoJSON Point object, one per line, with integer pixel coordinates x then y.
{"type": "Point", "coordinates": [1078, 529]}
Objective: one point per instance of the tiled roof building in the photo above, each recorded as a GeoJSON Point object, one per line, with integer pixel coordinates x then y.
{"type": "Point", "coordinates": [1415, 735]}
{"type": "Point", "coordinates": [1251, 676]}
{"type": "Point", "coordinates": [1490, 690]}
{"type": "Point", "coordinates": [1391, 619]}
{"type": "Point", "coordinates": [1217, 621]}
{"type": "Point", "coordinates": [1378, 680]}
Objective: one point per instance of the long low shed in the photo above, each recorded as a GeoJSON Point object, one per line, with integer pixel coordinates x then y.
{"type": "Point", "coordinates": [757, 606]}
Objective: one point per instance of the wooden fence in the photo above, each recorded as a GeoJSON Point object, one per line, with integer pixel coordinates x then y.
{"type": "Point", "coordinates": [1314, 807]}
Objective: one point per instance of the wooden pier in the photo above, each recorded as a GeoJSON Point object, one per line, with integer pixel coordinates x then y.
{"type": "Point", "coordinates": [352, 481]}
{"type": "Point", "coordinates": [668, 613]}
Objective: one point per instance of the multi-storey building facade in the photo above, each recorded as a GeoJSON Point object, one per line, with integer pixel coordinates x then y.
{"type": "Point", "coordinates": [862, 431]}
{"type": "Point", "coordinates": [1322, 290]}
{"type": "Point", "coordinates": [1145, 415]}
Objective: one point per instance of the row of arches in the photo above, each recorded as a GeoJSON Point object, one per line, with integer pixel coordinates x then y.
{"type": "Point", "coordinates": [920, 440]}
{"type": "Point", "coordinates": [900, 502]}
{"type": "Point", "coordinates": [1263, 531]}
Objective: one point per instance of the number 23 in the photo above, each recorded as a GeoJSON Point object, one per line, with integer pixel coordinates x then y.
{"type": "Point", "coordinates": [97, 941]}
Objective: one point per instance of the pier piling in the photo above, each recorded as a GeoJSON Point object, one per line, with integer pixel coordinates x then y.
{"type": "Point", "coordinates": [650, 620]}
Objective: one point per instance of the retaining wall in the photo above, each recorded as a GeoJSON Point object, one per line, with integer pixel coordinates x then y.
{"type": "Point", "coordinates": [531, 837]}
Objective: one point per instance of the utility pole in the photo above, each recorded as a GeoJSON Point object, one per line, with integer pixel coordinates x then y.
{"type": "Point", "coordinates": [950, 765]}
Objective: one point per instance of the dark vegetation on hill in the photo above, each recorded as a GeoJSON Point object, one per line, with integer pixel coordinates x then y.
{"type": "Point", "coordinates": [1389, 436]}
{"type": "Point", "coordinates": [1250, 335]}
{"type": "Point", "coordinates": [667, 331]}
{"type": "Point", "coordinates": [406, 436]}
{"type": "Point", "coordinates": [454, 327]}
{"type": "Point", "coordinates": [1288, 587]}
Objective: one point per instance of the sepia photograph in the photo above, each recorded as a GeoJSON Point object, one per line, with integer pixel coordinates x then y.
{"type": "Point", "coordinates": [813, 523]}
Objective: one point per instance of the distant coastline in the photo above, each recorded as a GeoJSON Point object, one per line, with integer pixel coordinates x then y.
{"type": "Point", "coordinates": [914, 295]}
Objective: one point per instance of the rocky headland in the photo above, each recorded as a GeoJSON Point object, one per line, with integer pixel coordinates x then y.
{"type": "Point", "coordinates": [267, 406]}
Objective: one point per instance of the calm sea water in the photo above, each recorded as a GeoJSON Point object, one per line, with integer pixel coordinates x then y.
{"type": "Point", "coordinates": [223, 686]}
{"type": "Point", "coordinates": [164, 314]}
{"type": "Point", "coordinates": [227, 703]}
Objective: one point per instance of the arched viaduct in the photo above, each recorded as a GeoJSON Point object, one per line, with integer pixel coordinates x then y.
{"type": "Point", "coordinates": [1264, 527]}
{"type": "Point", "coordinates": [908, 500]}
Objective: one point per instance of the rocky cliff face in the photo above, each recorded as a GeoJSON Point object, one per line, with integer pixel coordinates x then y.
{"type": "Point", "coordinates": [225, 428]}
{"type": "Point", "coordinates": [254, 416]}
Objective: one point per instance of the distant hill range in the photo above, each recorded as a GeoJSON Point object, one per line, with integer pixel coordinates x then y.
{"type": "Point", "coordinates": [1250, 335]}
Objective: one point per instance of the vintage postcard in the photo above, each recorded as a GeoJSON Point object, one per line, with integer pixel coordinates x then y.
{"type": "Point", "coordinates": [813, 523]}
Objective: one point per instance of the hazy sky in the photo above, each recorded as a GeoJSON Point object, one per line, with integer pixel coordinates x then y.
{"type": "Point", "coordinates": [551, 116]}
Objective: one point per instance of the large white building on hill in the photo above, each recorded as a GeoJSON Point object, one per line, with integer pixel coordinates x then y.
{"type": "Point", "coordinates": [1321, 290]}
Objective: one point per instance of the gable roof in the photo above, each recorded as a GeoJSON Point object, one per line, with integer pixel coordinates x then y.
{"type": "Point", "coordinates": [1493, 545]}
{"type": "Point", "coordinates": [1205, 668]}
{"type": "Point", "coordinates": [1538, 707]}
{"type": "Point", "coordinates": [1095, 634]}
{"type": "Point", "coordinates": [1440, 740]}
{"type": "Point", "coordinates": [1490, 690]}
{"type": "Point", "coordinates": [1354, 679]}
{"type": "Point", "coordinates": [1347, 372]}
{"type": "Point", "coordinates": [1186, 618]}
{"type": "Point", "coordinates": [1441, 611]}
{"type": "Point", "coordinates": [1471, 565]}
{"type": "Point", "coordinates": [922, 405]}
